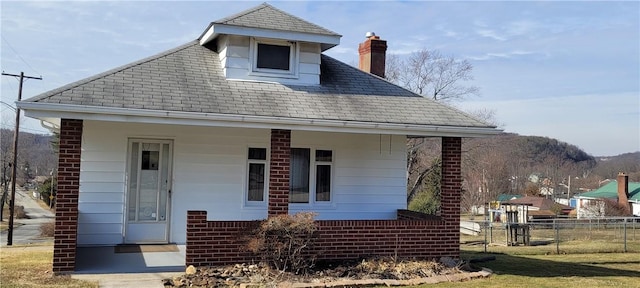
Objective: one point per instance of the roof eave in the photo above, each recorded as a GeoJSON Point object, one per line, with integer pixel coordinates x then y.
{"type": "Point", "coordinates": [52, 113]}
{"type": "Point", "coordinates": [216, 29]}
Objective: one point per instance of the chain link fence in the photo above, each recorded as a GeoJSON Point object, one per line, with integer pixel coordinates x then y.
{"type": "Point", "coordinates": [558, 236]}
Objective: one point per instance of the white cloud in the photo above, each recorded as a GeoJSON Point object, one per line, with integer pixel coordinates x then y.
{"type": "Point", "coordinates": [502, 55]}
{"type": "Point", "coordinates": [488, 33]}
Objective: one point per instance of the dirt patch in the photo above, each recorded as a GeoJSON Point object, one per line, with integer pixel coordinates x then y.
{"type": "Point", "coordinates": [352, 272]}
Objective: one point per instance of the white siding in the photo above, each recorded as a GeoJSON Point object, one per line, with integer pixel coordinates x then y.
{"type": "Point", "coordinates": [369, 178]}
{"type": "Point", "coordinates": [235, 59]}
{"type": "Point", "coordinates": [209, 168]}
{"type": "Point", "coordinates": [208, 174]}
{"type": "Point", "coordinates": [101, 200]}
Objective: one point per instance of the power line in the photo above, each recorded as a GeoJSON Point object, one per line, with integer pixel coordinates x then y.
{"type": "Point", "coordinates": [18, 54]}
{"type": "Point", "coordinates": [6, 126]}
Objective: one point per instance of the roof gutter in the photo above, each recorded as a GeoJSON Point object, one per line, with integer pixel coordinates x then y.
{"type": "Point", "coordinates": [52, 111]}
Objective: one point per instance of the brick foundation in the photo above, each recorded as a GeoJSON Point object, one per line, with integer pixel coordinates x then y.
{"type": "Point", "coordinates": [221, 242]}
{"type": "Point", "coordinates": [66, 223]}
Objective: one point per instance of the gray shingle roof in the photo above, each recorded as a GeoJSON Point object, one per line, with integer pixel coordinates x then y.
{"type": "Point", "coordinates": [266, 16]}
{"type": "Point", "coordinates": [190, 79]}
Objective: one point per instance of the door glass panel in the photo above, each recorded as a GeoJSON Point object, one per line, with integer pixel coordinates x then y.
{"type": "Point", "coordinates": [133, 182]}
{"type": "Point", "coordinates": [164, 183]}
{"type": "Point", "coordinates": [149, 180]}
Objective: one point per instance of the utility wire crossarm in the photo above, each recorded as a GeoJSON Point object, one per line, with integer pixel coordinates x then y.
{"type": "Point", "coordinates": [12, 202]}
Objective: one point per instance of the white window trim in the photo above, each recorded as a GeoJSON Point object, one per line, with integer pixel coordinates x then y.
{"type": "Point", "coordinates": [312, 180]}
{"type": "Point", "coordinates": [265, 192]}
{"type": "Point", "coordinates": [294, 55]}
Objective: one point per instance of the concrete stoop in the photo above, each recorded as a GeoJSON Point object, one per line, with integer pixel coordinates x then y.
{"type": "Point", "coordinates": [459, 277]}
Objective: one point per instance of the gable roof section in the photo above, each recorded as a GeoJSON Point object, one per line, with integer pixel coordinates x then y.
{"type": "Point", "coordinates": [267, 21]}
{"type": "Point", "coordinates": [610, 190]}
{"type": "Point", "coordinates": [188, 83]}
{"type": "Point", "coordinates": [266, 16]}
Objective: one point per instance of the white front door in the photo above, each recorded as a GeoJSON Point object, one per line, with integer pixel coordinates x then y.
{"type": "Point", "coordinates": [148, 191]}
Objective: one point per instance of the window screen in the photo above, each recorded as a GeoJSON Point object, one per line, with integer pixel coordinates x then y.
{"type": "Point", "coordinates": [274, 56]}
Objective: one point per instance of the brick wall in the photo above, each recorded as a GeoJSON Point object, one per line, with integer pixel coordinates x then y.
{"type": "Point", "coordinates": [222, 242]}
{"type": "Point", "coordinates": [279, 172]}
{"type": "Point", "coordinates": [66, 223]}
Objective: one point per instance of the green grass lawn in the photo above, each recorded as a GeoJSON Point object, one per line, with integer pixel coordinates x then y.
{"type": "Point", "coordinates": [574, 270]}
{"type": "Point", "coordinates": [31, 267]}
{"type": "Point", "coordinates": [513, 267]}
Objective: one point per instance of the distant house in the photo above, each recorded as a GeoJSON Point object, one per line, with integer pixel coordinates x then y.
{"type": "Point", "coordinates": [532, 208]}
{"type": "Point", "coordinates": [480, 209]}
{"type": "Point", "coordinates": [621, 193]}
{"type": "Point", "coordinates": [249, 121]}
{"type": "Point", "coordinates": [508, 197]}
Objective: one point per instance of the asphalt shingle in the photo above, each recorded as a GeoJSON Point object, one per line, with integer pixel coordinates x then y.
{"type": "Point", "coordinates": [266, 16]}
{"type": "Point", "coordinates": [190, 79]}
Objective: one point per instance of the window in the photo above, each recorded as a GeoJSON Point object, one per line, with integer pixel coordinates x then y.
{"type": "Point", "coordinates": [274, 58]}
{"type": "Point", "coordinates": [323, 175]}
{"type": "Point", "coordinates": [302, 176]}
{"type": "Point", "coordinates": [299, 175]}
{"type": "Point", "coordinates": [256, 178]}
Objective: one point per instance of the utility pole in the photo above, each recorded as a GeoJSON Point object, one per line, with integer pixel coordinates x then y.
{"type": "Point", "coordinates": [12, 202]}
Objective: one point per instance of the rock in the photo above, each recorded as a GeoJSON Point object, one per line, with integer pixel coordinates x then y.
{"type": "Point", "coordinates": [449, 262]}
{"type": "Point", "coordinates": [178, 282]}
{"type": "Point", "coordinates": [191, 270]}
{"type": "Point", "coordinates": [168, 283]}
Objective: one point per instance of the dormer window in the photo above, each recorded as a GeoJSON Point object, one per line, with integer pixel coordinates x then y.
{"type": "Point", "coordinates": [274, 58]}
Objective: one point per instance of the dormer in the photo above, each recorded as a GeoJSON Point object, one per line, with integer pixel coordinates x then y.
{"type": "Point", "coordinates": [269, 45]}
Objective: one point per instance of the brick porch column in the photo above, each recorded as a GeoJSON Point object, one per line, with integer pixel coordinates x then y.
{"type": "Point", "coordinates": [279, 172]}
{"type": "Point", "coordinates": [66, 223]}
{"type": "Point", "coordinates": [450, 196]}
{"type": "Point", "coordinates": [196, 238]}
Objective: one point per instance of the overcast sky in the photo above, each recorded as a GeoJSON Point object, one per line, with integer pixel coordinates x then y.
{"type": "Point", "coordinates": [566, 70]}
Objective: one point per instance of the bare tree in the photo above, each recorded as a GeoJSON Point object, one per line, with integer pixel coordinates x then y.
{"type": "Point", "coordinates": [432, 74]}
{"type": "Point", "coordinates": [435, 76]}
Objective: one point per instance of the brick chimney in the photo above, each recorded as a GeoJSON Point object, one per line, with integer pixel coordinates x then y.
{"type": "Point", "coordinates": [373, 54]}
{"type": "Point", "coordinates": [623, 191]}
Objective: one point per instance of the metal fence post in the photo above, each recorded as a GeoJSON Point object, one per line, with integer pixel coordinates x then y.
{"type": "Point", "coordinates": [486, 224]}
{"type": "Point", "coordinates": [625, 234]}
{"type": "Point", "coordinates": [555, 227]}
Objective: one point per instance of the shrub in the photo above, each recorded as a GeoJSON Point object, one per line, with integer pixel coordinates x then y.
{"type": "Point", "coordinates": [282, 240]}
{"type": "Point", "coordinates": [18, 212]}
{"type": "Point", "coordinates": [47, 229]}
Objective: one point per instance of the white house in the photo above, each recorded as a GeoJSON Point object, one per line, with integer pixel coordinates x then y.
{"type": "Point", "coordinates": [249, 120]}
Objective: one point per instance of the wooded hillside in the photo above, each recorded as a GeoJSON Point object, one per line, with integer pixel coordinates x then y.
{"type": "Point", "coordinates": [35, 155]}
{"type": "Point", "coordinates": [513, 164]}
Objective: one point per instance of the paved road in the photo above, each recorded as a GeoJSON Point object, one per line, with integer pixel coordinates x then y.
{"type": "Point", "coordinates": [27, 231]}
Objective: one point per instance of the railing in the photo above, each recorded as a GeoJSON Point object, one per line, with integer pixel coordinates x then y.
{"type": "Point", "coordinates": [611, 234]}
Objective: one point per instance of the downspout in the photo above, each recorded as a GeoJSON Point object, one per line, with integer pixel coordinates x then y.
{"type": "Point", "coordinates": [53, 128]}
